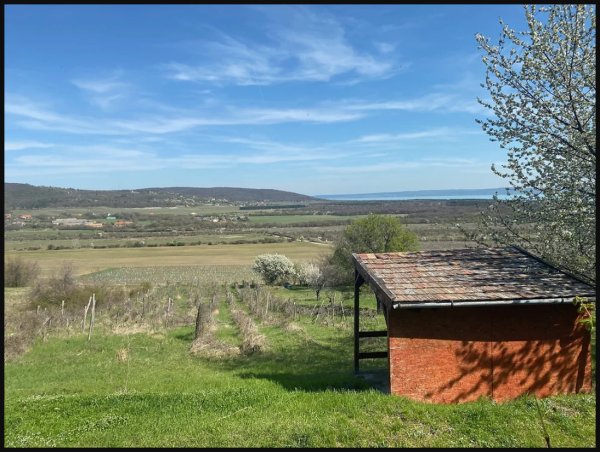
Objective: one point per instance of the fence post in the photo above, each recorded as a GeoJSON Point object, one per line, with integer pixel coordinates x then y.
{"type": "Point", "coordinates": [198, 322]}
{"type": "Point", "coordinates": [93, 316]}
{"type": "Point", "coordinates": [85, 315]}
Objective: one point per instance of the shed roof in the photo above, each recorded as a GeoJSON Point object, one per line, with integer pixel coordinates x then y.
{"type": "Point", "coordinates": [466, 275]}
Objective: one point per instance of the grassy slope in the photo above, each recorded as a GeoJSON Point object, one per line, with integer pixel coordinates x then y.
{"type": "Point", "coordinates": [299, 392]}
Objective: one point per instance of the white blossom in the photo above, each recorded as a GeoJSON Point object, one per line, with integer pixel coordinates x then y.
{"type": "Point", "coordinates": [542, 85]}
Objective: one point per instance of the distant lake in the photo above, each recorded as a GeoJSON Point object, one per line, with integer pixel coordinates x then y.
{"type": "Point", "coordinates": [485, 193]}
{"type": "Point", "coordinates": [402, 198]}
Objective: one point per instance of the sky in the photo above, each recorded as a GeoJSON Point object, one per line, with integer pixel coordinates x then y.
{"type": "Point", "coordinates": [313, 99]}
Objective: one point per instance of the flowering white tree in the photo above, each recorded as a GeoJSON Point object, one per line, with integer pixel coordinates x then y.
{"type": "Point", "coordinates": [542, 87]}
{"type": "Point", "coordinates": [310, 274]}
{"type": "Point", "coordinates": [274, 268]}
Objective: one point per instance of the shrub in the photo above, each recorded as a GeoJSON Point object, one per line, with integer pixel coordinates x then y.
{"type": "Point", "coordinates": [63, 286]}
{"type": "Point", "coordinates": [274, 268]}
{"type": "Point", "coordinates": [19, 272]}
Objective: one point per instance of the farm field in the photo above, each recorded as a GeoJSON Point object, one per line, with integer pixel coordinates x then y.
{"type": "Point", "coordinates": [77, 240]}
{"type": "Point", "coordinates": [94, 260]}
{"type": "Point", "coordinates": [291, 219]}
{"type": "Point", "coordinates": [431, 236]}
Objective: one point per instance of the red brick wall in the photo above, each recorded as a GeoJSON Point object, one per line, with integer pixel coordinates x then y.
{"type": "Point", "coordinates": [459, 354]}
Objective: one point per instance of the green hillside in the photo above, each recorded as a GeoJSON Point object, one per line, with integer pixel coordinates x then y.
{"type": "Point", "coordinates": [26, 196]}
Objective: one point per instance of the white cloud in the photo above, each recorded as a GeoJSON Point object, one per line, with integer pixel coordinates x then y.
{"type": "Point", "coordinates": [167, 119]}
{"type": "Point", "coordinates": [101, 158]}
{"type": "Point", "coordinates": [20, 145]}
{"type": "Point", "coordinates": [439, 101]}
{"type": "Point", "coordinates": [104, 92]}
{"type": "Point", "coordinates": [385, 47]}
{"type": "Point", "coordinates": [34, 116]}
{"type": "Point", "coordinates": [303, 46]}
{"type": "Point", "coordinates": [373, 168]}
{"type": "Point", "coordinates": [386, 167]}
{"type": "Point", "coordinates": [440, 133]}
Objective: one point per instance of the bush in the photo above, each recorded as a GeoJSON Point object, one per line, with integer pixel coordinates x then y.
{"type": "Point", "coordinates": [20, 273]}
{"type": "Point", "coordinates": [51, 293]}
{"type": "Point", "coordinates": [274, 268]}
{"type": "Point", "coordinates": [63, 286]}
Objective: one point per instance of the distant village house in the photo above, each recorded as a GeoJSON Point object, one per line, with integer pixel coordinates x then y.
{"type": "Point", "coordinates": [76, 222]}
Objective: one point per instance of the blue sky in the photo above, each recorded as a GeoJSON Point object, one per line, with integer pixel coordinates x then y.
{"type": "Point", "coordinates": [315, 99]}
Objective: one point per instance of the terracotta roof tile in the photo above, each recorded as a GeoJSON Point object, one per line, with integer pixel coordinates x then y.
{"type": "Point", "coordinates": [467, 275]}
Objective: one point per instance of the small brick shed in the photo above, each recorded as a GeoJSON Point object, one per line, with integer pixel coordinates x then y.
{"type": "Point", "coordinates": [467, 323]}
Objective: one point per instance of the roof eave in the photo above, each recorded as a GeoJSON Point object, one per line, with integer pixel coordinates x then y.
{"type": "Point", "coordinates": [452, 304]}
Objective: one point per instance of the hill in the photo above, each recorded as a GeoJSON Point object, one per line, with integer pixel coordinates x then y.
{"type": "Point", "coordinates": [26, 196]}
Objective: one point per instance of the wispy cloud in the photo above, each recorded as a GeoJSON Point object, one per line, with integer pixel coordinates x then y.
{"type": "Point", "coordinates": [20, 145]}
{"type": "Point", "coordinates": [372, 168]}
{"type": "Point", "coordinates": [34, 116]}
{"type": "Point", "coordinates": [160, 119]}
{"type": "Point", "coordinates": [108, 158]}
{"type": "Point", "coordinates": [305, 47]}
{"type": "Point", "coordinates": [385, 167]}
{"type": "Point", "coordinates": [385, 47]}
{"type": "Point", "coordinates": [103, 92]}
{"type": "Point", "coordinates": [437, 133]}
{"type": "Point", "coordinates": [448, 102]}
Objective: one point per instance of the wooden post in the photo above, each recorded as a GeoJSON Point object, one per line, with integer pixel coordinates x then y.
{"type": "Point", "coordinates": [93, 316]}
{"type": "Point", "coordinates": [62, 309]}
{"type": "Point", "coordinates": [85, 315]}
{"type": "Point", "coordinates": [358, 281]}
{"type": "Point", "coordinates": [268, 297]}
{"type": "Point", "coordinates": [198, 322]}
{"type": "Point", "coordinates": [332, 306]}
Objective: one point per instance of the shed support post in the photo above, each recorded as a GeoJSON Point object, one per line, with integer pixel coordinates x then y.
{"type": "Point", "coordinates": [379, 305]}
{"type": "Point", "coordinates": [358, 281]}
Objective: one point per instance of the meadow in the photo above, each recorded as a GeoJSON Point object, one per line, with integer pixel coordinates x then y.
{"type": "Point", "coordinates": [189, 349]}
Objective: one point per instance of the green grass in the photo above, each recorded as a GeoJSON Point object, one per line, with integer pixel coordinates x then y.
{"type": "Point", "coordinates": [200, 274]}
{"type": "Point", "coordinates": [299, 392]}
